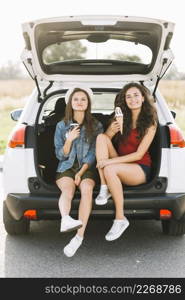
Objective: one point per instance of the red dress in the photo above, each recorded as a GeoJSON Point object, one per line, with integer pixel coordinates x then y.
{"type": "Point", "coordinates": [130, 145]}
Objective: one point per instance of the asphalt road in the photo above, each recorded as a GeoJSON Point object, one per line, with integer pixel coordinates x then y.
{"type": "Point", "coordinates": [143, 251]}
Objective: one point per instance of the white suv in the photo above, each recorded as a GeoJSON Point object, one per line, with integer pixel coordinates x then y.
{"type": "Point", "coordinates": [103, 53]}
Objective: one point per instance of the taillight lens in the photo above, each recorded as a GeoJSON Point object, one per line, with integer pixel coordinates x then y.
{"type": "Point", "coordinates": [165, 214]}
{"type": "Point", "coordinates": [30, 214]}
{"type": "Point", "coordinates": [17, 137]}
{"type": "Point", "coordinates": [176, 136]}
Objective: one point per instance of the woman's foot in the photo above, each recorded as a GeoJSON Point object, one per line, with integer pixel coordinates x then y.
{"type": "Point", "coordinates": [103, 195]}
{"type": "Point", "coordinates": [69, 224]}
{"type": "Point", "coordinates": [118, 227]}
{"type": "Point", "coordinates": [73, 246]}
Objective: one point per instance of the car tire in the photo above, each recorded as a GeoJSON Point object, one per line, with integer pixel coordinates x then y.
{"type": "Point", "coordinates": [173, 227]}
{"type": "Point", "coordinates": [12, 226]}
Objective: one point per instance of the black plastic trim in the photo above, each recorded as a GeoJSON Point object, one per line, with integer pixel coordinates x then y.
{"type": "Point", "coordinates": [143, 205]}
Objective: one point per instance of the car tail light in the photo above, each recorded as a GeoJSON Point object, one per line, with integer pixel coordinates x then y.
{"type": "Point", "coordinates": [30, 214]}
{"type": "Point", "coordinates": [165, 214]}
{"type": "Point", "coordinates": [17, 138]}
{"type": "Point", "coordinates": [176, 136]}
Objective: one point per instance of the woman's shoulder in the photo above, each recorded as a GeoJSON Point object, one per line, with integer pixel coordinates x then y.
{"type": "Point", "coordinates": [62, 124]}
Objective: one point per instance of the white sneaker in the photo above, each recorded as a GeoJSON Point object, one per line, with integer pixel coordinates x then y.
{"type": "Point", "coordinates": [73, 246]}
{"type": "Point", "coordinates": [118, 227]}
{"type": "Point", "coordinates": [69, 224]}
{"type": "Point", "coordinates": [102, 197]}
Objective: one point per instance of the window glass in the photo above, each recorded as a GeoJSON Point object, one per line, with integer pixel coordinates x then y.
{"type": "Point", "coordinates": [85, 50]}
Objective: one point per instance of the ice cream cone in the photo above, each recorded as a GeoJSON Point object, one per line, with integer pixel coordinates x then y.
{"type": "Point", "coordinates": [119, 117]}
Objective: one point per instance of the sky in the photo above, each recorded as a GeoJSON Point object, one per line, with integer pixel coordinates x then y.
{"type": "Point", "coordinates": [15, 12]}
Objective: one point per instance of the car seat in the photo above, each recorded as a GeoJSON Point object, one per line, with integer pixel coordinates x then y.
{"type": "Point", "coordinates": [57, 114]}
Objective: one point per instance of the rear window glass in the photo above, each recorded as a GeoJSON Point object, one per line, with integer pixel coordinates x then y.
{"type": "Point", "coordinates": [103, 102]}
{"type": "Point", "coordinates": [86, 50]}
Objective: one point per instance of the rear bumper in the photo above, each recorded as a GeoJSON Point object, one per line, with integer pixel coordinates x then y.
{"type": "Point", "coordinates": [140, 206]}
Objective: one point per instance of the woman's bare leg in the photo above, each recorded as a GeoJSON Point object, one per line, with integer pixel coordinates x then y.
{"type": "Point", "coordinates": [67, 187]}
{"type": "Point", "coordinates": [86, 188]}
{"type": "Point", "coordinates": [85, 207]}
{"type": "Point", "coordinates": [115, 175]}
{"type": "Point", "coordinates": [104, 150]}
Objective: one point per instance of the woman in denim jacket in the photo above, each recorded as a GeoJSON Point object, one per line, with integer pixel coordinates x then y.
{"type": "Point", "coordinates": [75, 139]}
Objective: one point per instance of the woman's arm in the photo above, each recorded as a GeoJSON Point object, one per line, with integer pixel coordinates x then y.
{"type": "Point", "coordinates": [80, 173]}
{"type": "Point", "coordinates": [135, 156]}
{"type": "Point", "coordinates": [59, 141]}
{"type": "Point", "coordinates": [72, 135]}
{"type": "Point", "coordinates": [112, 129]}
{"type": "Point", "coordinates": [62, 145]}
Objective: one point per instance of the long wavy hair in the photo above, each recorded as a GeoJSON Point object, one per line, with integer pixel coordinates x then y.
{"type": "Point", "coordinates": [88, 122]}
{"type": "Point", "coordinates": [147, 116]}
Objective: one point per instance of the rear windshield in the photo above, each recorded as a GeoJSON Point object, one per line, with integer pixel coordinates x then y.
{"type": "Point", "coordinates": [87, 50]}
{"type": "Point", "coordinates": [73, 48]}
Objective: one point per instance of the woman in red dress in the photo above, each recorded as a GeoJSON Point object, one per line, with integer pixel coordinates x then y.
{"type": "Point", "coordinates": [124, 158]}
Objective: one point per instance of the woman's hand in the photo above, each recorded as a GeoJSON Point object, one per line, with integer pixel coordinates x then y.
{"type": "Point", "coordinates": [73, 134]}
{"type": "Point", "coordinates": [77, 179]}
{"type": "Point", "coordinates": [103, 163]}
{"type": "Point", "coordinates": [113, 129]}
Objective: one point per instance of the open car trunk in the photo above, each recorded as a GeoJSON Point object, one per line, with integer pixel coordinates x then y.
{"type": "Point", "coordinates": [46, 160]}
{"type": "Point", "coordinates": [101, 44]}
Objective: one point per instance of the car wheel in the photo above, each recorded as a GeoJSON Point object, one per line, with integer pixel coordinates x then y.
{"type": "Point", "coordinates": [173, 227]}
{"type": "Point", "coordinates": [12, 226]}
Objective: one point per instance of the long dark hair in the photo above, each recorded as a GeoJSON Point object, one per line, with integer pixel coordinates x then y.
{"type": "Point", "coordinates": [89, 121]}
{"type": "Point", "coordinates": [147, 116]}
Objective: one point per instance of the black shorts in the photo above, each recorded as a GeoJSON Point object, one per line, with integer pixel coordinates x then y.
{"type": "Point", "coordinates": [147, 171]}
{"type": "Point", "coordinates": [89, 173]}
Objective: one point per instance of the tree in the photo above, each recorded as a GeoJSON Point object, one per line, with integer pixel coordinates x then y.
{"type": "Point", "coordinates": [125, 57]}
{"type": "Point", "coordinates": [64, 51]}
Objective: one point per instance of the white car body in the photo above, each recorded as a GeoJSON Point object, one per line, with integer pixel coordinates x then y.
{"type": "Point", "coordinates": [23, 182]}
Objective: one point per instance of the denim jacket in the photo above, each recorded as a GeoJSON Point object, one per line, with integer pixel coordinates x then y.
{"type": "Point", "coordinates": [80, 148]}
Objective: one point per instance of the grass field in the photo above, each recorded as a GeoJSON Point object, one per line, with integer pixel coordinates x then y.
{"type": "Point", "coordinates": [13, 95]}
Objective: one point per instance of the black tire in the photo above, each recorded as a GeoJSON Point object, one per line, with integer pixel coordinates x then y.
{"type": "Point", "coordinates": [12, 226]}
{"type": "Point", "coordinates": [173, 227]}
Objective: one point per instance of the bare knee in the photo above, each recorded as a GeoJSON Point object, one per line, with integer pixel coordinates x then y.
{"type": "Point", "coordinates": [66, 185]}
{"type": "Point", "coordinates": [67, 190]}
{"type": "Point", "coordinates": [86, 188]}
{"type": "Point", "coordinates": [101, 137]}
{"type": "Point", "coordinates": [109, 171]}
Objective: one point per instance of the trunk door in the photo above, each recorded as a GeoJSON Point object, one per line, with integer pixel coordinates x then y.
{"type": "Point", "coordinates": [97, 48]}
